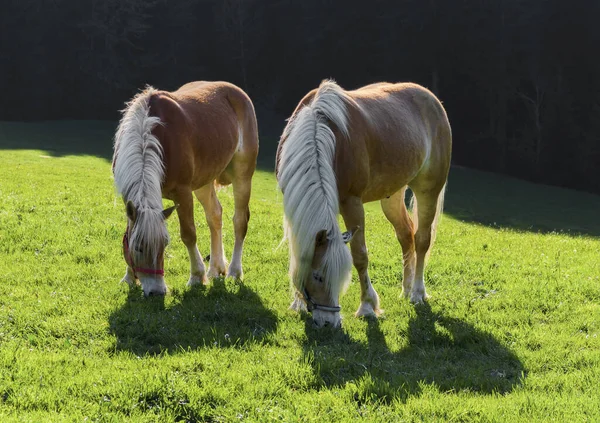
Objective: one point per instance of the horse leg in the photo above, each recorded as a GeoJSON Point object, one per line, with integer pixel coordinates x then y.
{"type": "Point", "coordinates": [129, 277]}
{"type": "Point", "coordinates": [242, 187]}
{"type": "Point", "coordinates": [214, 218]}
{"type": "Point", "coordinates": [427, 209]}
{"type": "Point", "coordinates": [354, 215]}
{"type": "Point", "coordinates": [185, 211]}
{"type": "Point", "coordinates": [395, 211]}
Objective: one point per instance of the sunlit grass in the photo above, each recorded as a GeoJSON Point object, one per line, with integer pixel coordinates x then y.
{"type": "Point", "coordinates": [510, 333]}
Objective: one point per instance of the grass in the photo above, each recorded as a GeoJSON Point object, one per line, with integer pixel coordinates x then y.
{"type": "Point", "coordinates": [510, 333]}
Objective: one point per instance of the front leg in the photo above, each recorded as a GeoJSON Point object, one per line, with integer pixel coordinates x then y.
{"type": "Point", "coordinates": [129, 277]}
{"type": "Point", "coordinates": [185, 212]}
{"type": "Point", "coordinates": [298, 305]}
{"type": "Point", "coordinates": [354, 215]}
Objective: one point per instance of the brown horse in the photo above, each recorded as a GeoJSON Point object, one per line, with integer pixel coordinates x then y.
{"type": "Point", "coordinates": [341, 149]}
{"type": "Point", "coordinates": [170, 145]}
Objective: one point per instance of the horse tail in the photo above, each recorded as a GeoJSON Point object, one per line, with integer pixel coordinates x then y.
{"type": "Point", "coordinates": [438, 214]}
{"type": "Point", "coordinates": [307, 179]}
{"type": "Point", "coordinates": [436, 220]}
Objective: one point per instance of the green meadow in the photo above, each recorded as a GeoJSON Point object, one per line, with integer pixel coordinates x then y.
{"type": "Point", "coordinates": [511, 332]}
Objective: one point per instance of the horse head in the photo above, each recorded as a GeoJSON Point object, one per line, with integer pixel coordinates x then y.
{"type": "Point", "coordinates": [318, 294]}
{"type": "Point", "coordinates": [144, 244]}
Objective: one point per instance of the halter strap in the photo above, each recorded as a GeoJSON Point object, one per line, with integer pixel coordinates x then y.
{"type": "Point", "coordinates": [129, 259]}
{"type": "Point", "coordinates": [312, 305]}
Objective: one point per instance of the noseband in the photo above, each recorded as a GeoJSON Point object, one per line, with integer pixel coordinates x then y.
{"type": "Point", "coordinates": [129, 259]}
{"type": "Point", "coordinates": [312, 305]}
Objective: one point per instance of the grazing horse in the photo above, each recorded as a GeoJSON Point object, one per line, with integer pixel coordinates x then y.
{"type": "Point", "coordinates": [341, 149]}
{"type": "Point", "coordinates": [173, 145]}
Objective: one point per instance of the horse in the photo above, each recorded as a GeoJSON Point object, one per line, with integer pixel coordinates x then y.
{"type": "Point", "coordinates": [341, 149]}
{"type": "Point", "coordinates": [172, 145]}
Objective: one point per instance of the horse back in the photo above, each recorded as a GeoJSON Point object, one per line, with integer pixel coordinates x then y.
{"type": "Point", "coordinates": [203, 125]}
{"type": "Point", "coordinates": [397, 130]}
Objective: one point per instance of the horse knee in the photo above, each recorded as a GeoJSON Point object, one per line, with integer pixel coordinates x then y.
{"type": "Point", "coordinates": [243, 215]}
{"type": "Point", "coordinates": [241, 219]}
{"type": "Point", "coordinates": [215, 219]}
{"type": "Point", "coordinates": [422, 241]}
{"type": "Point", "coordinates": [360, 258]}
{"type": "Point", "coordinates": [188, 237]}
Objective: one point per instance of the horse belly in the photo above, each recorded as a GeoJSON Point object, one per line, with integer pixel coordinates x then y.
{"type": "Point", "coordinates": [390, 173]}
{"type": "Point", "coordinates": [224, 178]}
{"type": "Point", "coordinates": [381, 188]}
{"type": "Point", "coordinates": [207, 172]}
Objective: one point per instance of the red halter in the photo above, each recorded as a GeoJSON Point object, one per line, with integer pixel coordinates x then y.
{"type": "Point", "coordinates": [129, 259]}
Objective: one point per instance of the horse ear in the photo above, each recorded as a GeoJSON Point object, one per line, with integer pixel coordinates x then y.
{"type": "Point", "coordinates": [347, 236]}
{"type": "Point", "coordinates": [167, 212]}
{"type": "Point", "coordinates": [321, 238]}
{"type": "Point", "coordinates": [131, 211]}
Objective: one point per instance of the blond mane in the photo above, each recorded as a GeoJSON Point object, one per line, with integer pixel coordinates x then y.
{"type": "Point", "coordinates": [139, 172]}
{"type": "Point", "coordinates": [310, 195]}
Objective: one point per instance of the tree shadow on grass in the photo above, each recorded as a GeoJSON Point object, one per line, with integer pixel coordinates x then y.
{"type": "Point", "coordinates": [502, 201]}
{"type": "Point", "coordinates": [444, 352]}
{"type": "Point", "coordinates": [60, 138]}
{"type": "Point", "coordinates": [95, 138]}
{"type": "Point", "coordinates": [225, 314]}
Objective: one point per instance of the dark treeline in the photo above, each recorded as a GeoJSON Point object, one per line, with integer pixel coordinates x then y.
{"type": "Point", "coordinates": [519, 78]}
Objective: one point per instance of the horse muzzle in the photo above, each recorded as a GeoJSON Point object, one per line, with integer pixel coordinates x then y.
{"type": "Point", "coordinates": [322, 318]}
{"type": "Point", "coordinates": [153, 285]}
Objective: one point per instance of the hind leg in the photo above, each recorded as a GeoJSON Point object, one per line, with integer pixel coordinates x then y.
{"type": "Point", "coordinates": [214, 218]}
{"type": "Point", "coordinates": [395, 211]}
{"type": "Point", "coordinates": [354, 215]}
{"type": "Point", "coordinates": [242, 168]}
{"type": "Point", "coordinates": [185, 212]}
{"type": "Point", "coordinates": [242, 186]}
{"type": "Point", "coordinates": [427, 202]}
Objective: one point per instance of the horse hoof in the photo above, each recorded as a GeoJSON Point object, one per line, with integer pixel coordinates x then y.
{"type": "Point", "coordinates": [418, 297]}
{"type": "Point", "coordinates": [235, 273]}
{"type": "Point", "coordinates": [216, 272]}
{"type": "Point", "coordinates": [131, 282]}
{"type": "Point", "coordinates": [197, 281]}
{"type": "Point", "coordinates": [366, 310]}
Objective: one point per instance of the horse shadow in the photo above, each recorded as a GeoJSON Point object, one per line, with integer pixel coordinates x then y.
{"type": "Point", "coordinates": [225, 314]}
{"type": "Point", "coordinates": [443, 352]}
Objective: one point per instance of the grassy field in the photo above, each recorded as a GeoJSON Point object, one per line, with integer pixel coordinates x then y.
{"type": "Point", "coordinates": [510, 333]}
